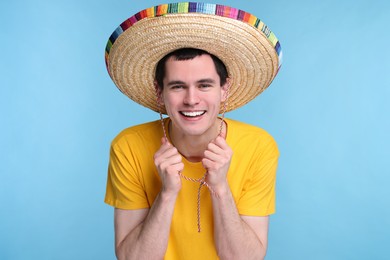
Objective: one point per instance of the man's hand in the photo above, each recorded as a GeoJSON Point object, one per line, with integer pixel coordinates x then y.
{"type": "Point", "coordinates": [144, 233]}
{"type": "Point", "coordinates": [169, 163]}
{"type": "Point", "coordinates": [216, 161]}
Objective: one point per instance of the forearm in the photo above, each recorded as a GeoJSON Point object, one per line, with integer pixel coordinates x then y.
{"type": "Point", "coordinates": [234, 239]}
{"type": "Point", "coordinates": [149, 239]}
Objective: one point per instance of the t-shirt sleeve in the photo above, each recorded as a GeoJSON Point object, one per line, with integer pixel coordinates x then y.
{"type": "Point", "coordinates": [258, 197]}
{"type": "Point", "coordinates": [124, 187]}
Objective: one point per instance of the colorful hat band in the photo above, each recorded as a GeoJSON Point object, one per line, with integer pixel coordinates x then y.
{"type": "Point", "coordinates": [191, 7]}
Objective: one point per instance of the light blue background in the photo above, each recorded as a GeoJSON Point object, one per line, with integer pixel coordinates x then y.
{"type": "Point", "coordinates": [328, 109]}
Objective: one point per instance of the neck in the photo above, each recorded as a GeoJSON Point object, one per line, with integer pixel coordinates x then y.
{"type": "Point", "coordinates": [192, 147]}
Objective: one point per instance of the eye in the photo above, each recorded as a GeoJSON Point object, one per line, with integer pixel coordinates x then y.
{"type": "Point", "coordinates": [177, 87]}
{"type": "Point", "coordinates": [205, 86]}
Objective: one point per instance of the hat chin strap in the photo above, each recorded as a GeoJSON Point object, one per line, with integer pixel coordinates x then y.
{"type": "Point", "coordinates": [202, 181]}
{"type": "Point", "coordinates": [225, 105]}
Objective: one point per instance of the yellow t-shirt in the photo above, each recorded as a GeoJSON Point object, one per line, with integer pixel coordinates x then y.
{"type": "Point", "coordinates": [133, 182]}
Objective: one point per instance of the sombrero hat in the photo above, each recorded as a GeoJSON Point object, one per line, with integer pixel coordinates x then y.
{"type": "Point", "coordinates": [249, 50]}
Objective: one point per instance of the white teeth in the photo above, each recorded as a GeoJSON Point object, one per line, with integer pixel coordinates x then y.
{"type": "Point", "coordinates": [193, 114]}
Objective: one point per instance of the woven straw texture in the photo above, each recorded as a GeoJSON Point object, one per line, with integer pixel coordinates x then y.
{"type": "Point", "coordinates": [250, 57]}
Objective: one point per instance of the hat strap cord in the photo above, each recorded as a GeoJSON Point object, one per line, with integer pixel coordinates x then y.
{"type": "Point", "coordinates": [202, 181]}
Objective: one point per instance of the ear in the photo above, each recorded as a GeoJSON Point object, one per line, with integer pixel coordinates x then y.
{"type": "Point", "coordinates": [225, 90]}
{"type": "Point", "coordinates": [159, 95]}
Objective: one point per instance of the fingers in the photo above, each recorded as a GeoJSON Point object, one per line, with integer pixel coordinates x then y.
{"type": "Point", "coordinates": [167, 158]}
{"type": "Point", "coordinates": [168, 162]}
{"type": "Point", "coordinates": [165, 146]}
{"type": "Point", "coordinates": [217, 148]}
{"type": "Point", "coordinates": [218, 154]}
{"type": "Point", "coordinates": [172, 164]}
{"type": "Point", "coordinates": [167, 155]}
{"type": "Point", "coordinates": [222, 134]}
{"type": "Point", "coordinates": [164, 140]}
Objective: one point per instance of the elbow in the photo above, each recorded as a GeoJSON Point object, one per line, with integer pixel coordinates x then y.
{"type": "Point", "coordinates": [120, 252]}
{"type": "Point", "coordinates": [260, 255]}
{"type": "Point", "coordinates": [242, 254]}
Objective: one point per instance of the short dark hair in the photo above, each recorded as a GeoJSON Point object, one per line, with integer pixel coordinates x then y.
{"type": "Point", "coordinates": [189, 54]}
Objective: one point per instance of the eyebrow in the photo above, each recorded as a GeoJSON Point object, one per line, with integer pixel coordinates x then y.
{"type": "Point", "coordinates": [206, 81]}
{"type": "Point", "coordinates": [179, 82]}
{"type": "Point", "coordinates": [175, 82]}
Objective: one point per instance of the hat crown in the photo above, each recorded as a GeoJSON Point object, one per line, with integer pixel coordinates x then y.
{"type": "Point", "coordinates": [249, 49]}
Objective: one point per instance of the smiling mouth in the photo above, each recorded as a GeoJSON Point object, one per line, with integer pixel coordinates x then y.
{"type": "Point", "coordinates": [192, 113]}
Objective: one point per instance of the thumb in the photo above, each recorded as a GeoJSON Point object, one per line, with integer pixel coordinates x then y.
{"type": "Point", "coordinates": [222, 134]}
{"type": "Point", "coordinates": [164, 140]}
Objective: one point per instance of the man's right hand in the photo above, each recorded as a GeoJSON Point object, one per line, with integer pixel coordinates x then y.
{"type": "Point", "coordinates": [169, 163]}
{"type": "Point", "coordinates": [144, 233]}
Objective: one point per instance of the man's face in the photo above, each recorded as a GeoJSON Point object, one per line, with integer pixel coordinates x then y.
{"type": "Point", "coordinates": [192, 95]}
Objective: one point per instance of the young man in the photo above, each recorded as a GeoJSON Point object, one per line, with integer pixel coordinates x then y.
{"type": "Point", "coordinates": [194, 185]}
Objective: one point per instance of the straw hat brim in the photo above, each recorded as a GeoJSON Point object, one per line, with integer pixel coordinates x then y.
{"type": "Point", "coordinates": [250, 56]}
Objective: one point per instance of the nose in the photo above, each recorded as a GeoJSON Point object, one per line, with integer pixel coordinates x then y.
{"type": "Point", "coordinates": [191, 97]}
